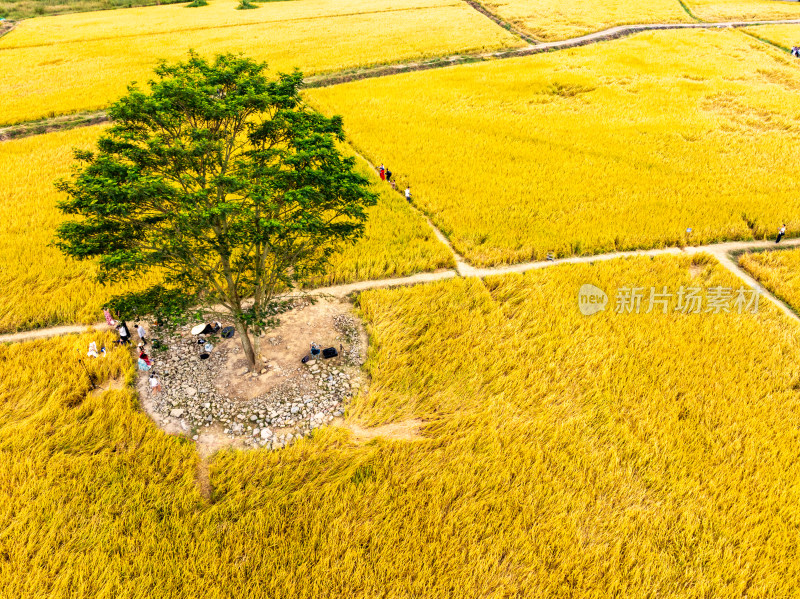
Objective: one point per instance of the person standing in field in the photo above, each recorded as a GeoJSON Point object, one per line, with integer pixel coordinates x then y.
{"type": "Point", "coordinates": [781, 233]}
{"type": "Point", "coordinates": [408, 193]}
{"type": "Point", "coordinates": [382, 172]}
{"type": "Point", "coordinates": [388, 175]}
{"type": "Point", "coordinates": [141, 332]}
{"type": "Point", "coordinates": [155, 384]}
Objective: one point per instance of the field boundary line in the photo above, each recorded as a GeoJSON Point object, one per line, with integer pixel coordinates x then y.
{"type": "Point", "coordinates": [689, 12]}
{"type": "Point", "coordinates": [508, 26]}
{"type": "Point", "coordinates": [720, 251]}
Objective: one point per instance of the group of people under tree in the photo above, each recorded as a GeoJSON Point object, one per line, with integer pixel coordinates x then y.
{"type": "Point", "coordinates": [277, 193]}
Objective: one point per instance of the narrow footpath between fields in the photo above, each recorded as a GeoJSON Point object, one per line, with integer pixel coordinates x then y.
{"type": "Point", "coordinates": [721, 251]}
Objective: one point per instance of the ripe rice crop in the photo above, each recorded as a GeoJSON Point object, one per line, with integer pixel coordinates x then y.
{"type": "Point", "coordinates": [778, 271]}
{"type": "Point", "coordinates": [175, 18]}
{"type": "Point", "coordinates": [785, 36]}
{"type": "Point", "coordinates": [550, 20]}
{"type": "Point", "coordinates": [743, 10]}
{"type": "Point", "coordinates": [397, 242]}
{"type": "Point", "coordinates": [90, 71]}
{"type": "Point", "coordinates": [601, 148]}
{"type": "Point", "coordinates": [41, 287]}
{"type": "Point", "coordinates": [617, 455]}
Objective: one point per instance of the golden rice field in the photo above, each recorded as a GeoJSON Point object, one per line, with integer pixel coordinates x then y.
{"type": "Point", "coordinates": [778, 271]}
{"type": "Point", "coordinates": [617, 455]}
{"type": "Point", "coordinates": [743, 10]}
{"type": "Point", "coordinates": [175, 18]}
{"type": "Point", "coordinates": [82, 62]}
{"type": "Point", "coordinates": [786, 36]}
{"type": "Point", "coordinates": [41, 287]}
{"type": "Point", "coordinates": [551, 20]}
{"type": "Point", "coordinates": [608, 147]}
{"type": "Point", "coordinates": [397, 242]}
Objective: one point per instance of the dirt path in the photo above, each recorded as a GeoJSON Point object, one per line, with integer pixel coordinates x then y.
{"type": "Point", "coordinates": [48, 332]}
{"type": "Point", "coordinates": [534, 48]}
{"type": "Point", "coordinates": [730, 263]}
{"type": "Point", "coordinates": [721, 251]}
{"type": "Point", "coordinates": [59, 123]}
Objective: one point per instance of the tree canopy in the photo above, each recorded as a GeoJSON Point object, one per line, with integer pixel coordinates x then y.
{"type": "Point", "coordinates": [221, 183]}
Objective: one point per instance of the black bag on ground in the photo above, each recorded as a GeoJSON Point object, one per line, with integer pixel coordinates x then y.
{"type": "Point", "coordinates": [329, 352]}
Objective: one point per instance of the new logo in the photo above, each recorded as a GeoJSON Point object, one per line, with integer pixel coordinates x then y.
{"type": "Point", "coordinates": [591, 300]}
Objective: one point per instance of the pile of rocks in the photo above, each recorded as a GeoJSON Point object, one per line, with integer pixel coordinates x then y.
{"type": "Point", "coordinates": [197, 393]}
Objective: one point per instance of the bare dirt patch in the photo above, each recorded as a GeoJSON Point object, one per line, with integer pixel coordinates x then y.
{"type": "Point", "coordinates": [219, 402]}
{"type": "Point", "coordinates": [283, 348]}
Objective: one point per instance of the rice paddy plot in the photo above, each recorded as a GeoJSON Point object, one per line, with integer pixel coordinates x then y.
{"type": "Point", "coordinates": [619, 454]}
{"type": "Point", "coordinates": [778, 271]}
{"type": "Point", "coordinates": [743, 10]}
{"type": "Point", "coordinates": [90, 72]}
{"type": "Point", "coordinates": [785, 36]}
{"type": "Point", "coordinates": [661, 139]}
{"type": "Point", "coordinates": [550, 20]}
{"type": "Point", "coordinates": [42, 288]}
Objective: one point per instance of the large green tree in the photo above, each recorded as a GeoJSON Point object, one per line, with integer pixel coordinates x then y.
{"type": "Point", "coordinates": [219, 184]}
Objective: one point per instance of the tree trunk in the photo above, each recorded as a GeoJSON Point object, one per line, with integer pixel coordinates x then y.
{"type": "Point", "coordinates": [257, 348]}
{"type": "Point", "coordinates": [247, 344]}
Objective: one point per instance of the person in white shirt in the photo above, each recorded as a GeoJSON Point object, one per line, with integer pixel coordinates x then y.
{"type": "Point", "coordinates": [142, 333]}
{"type": "Point", "coordinates": [781, 233]}
{"type": "Point", "coordinates": [408, 193]}
{"type": "Point", "coordinates": [155, 384]}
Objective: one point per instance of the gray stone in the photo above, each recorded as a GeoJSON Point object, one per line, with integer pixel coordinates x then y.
{"type": "Point", "coordinates": [176, 412]}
